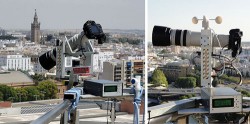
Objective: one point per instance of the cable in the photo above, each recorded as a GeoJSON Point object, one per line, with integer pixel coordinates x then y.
{"type": "Point", "coordinates": [216, 36]}
{"type": "Point", "coordinates": [137, 102]}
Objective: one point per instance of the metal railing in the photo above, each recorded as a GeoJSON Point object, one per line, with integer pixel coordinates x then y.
{"type": "Point", "coordinates": [51, 115]}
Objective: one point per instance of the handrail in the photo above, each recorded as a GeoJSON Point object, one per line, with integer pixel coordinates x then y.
{"type": "Point", "coordinates": [51, 115]}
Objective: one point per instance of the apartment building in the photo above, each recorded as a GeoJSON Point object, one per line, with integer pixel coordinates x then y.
{"type": "Point", "coordinates": [15, 62]}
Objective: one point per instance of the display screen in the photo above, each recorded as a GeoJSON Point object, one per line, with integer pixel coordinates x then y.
{"type": "Point", "coordinates": [81, 70]}
{"type": "Point", "coordinates": [227, 102]}
{"type": "Point", "coordinates": [110, 88]}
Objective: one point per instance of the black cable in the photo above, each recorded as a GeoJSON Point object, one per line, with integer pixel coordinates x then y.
{"type": "Point", "coordinates": [149, 116]}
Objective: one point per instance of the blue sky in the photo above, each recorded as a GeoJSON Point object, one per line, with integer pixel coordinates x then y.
{"type": "Point", "coordinates": [179, 13]}
{"type": "Point", "coordinates": [72, 14]}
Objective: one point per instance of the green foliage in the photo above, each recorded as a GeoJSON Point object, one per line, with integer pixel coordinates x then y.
{"type": "Point", "coordinates": [187, 96]}
{"type": "Point", "coordinates": [164, 51]}
{"type": "Point", "coordinates": [245, 93]}
{"type": "Point", "coordinates": [7, 37]}
{"type": "Point", "coordinates": [32, 92]}
{"type": "Point", "coordinates": [21, 94]}
{"type": "Point", "coordinates": [183, 97]}
{"type": "Point", "coordinates": [48, 89]}
{"type": "Point", "coordinates": [38, 77]}
{"type": "Point", "coordinates": [186, 82]}
{"type": "Point", "coordinates": [158, 78]}
{"type": "Point", "coordinates": [197, 77]}
{"type": "Point", "coordinates": [7, 92]}
{"type": "Point", "coordinates": [1, 96]}
{"type": "Point", "coordinates": [229, 78]}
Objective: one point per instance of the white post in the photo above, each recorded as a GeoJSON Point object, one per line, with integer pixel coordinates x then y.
{"type": "Point", "coordinates": [206, 51]}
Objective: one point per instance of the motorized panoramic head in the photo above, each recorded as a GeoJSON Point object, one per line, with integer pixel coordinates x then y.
{"type": "Point", "coordinates": [91, 30]}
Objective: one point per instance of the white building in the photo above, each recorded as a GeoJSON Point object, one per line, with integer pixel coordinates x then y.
{"type": "Point", "coordinates": [98, 59]}
{"type": "Point", "coordinates": [37, 68]}
{"type": "Point", "coordinates": [123, 70]}
{"type": "Point", "coordinates": [133, 57]}
{"type": "Point", "coordinates": [113, 70]}
{"type": "Point", "coordinates": [15, 62]}
{"type": "Point", "coordinates": [95, 62]}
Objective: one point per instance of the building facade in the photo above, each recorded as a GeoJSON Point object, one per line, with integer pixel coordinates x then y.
{"type": "Point", "coordinates": [99, 58]}
{"type": "Point", "coordinates": [175, 70]}
{"type": "Point", "coordinates": [15, 62]}
{"type": "Point", "coordinates": [35, 30]}
{"type": "Point", "coordinates": [134, 68]}
{"type": "Point", "coordinates": [123, 70]}
{"type": "Point", "coordinates": [113, 70]}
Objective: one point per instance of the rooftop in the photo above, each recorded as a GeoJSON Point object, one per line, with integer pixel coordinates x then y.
{"type": "Point", "coordinates": [14, 77]}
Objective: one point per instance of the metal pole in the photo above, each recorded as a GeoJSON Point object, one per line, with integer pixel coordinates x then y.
{"type": "Point", "coordinates": [49, 116]}
{"type": "Point", "coordinates": [36, 97]}
{"type": "Point", "coordinates": [112, 112]}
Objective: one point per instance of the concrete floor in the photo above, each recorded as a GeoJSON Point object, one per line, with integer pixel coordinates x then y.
{"type": "Point", "coordinates": [87, 116]}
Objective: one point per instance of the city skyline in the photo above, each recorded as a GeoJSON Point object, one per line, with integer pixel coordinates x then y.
{"type": "Point", "coordinates": [178, 15]}
{"type": "Point", "coordinates": [62, 14]}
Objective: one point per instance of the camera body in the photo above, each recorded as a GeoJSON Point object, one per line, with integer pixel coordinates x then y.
{"type": "Point", "coordinates": [94, 31]}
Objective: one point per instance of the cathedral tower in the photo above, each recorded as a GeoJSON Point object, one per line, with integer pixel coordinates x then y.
{"type": "Point", "coordinates": [35, 30]}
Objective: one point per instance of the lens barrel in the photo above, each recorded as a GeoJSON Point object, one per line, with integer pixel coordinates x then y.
{"type": "Point", "coordinates": [161, 36]}
{"type": "Point", "coordinates": [47, 60]}
{"type": "Point", "coordinates": [165, 36]}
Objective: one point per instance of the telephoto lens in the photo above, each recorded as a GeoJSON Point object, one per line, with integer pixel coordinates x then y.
{"type": "Point", "coordinates": [48, 59]}
{"type": "Point", "coordinates": [165, 36]}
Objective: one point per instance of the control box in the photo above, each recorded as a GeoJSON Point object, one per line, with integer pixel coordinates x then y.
{"type": "Point", "coordinates": [103, 88]}
{"type": "Point", "coordinates": [221, 100]}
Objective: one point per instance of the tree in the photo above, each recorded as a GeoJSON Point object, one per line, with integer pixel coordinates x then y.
{"type": "Point", "coordinates": [32, 93]}
{"type": "Point", "coordinates": [7, 37]}
{"type": "Point", "coordinates": [7, 92]}
{"type": "Point", "coordinates": [38, 77]}
{"type": "Point", "coordinates": [158, 78]}
{"type": "Point", "coordinates": [48, 89]}
{"type": "Point", "coordinates": [186, 82]}
{"type": "Point", "coordinates": [197, 77]}
{"type": "Point", "coordinates": [231, 79]}
{"type": "Point", "coordinates": [1, 96]}
{"type": "Point", "coordinates": [22, 95]}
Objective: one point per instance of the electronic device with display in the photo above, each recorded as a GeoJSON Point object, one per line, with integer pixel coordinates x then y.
{"type": "Point", "coordinates": [103, 88]}
{"type": "Point", "coordinates": [221, 100]}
